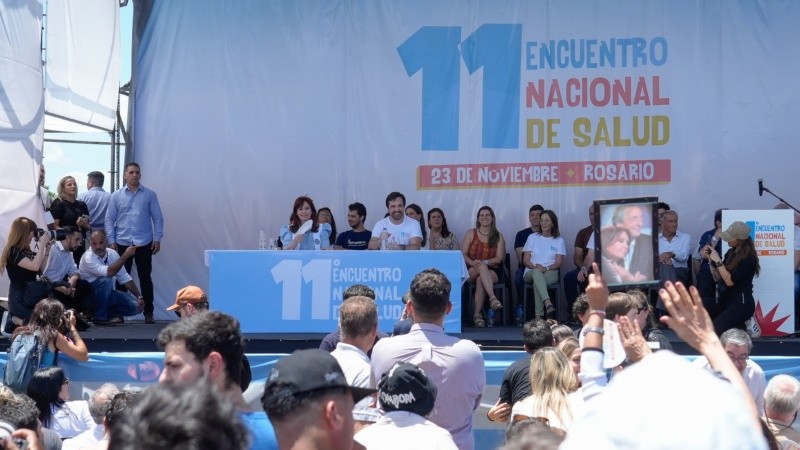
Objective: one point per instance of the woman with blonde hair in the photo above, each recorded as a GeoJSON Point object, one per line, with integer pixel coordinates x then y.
{"type": "Point", "coordinates": [441, 237]}
{"type": "Point", "coordinates": [23, 264]}
{"type": "Point", "coordinates": [553, 383]}
{"type": "Point", "coordinates": [68, 210]}
{"type": "Point", "coordinates": [571, 348]}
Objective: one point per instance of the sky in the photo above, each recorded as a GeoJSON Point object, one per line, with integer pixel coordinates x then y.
{"type": "Point", "coordinates": [77, 160]}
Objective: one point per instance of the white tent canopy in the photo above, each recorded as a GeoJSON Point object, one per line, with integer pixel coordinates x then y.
{"type": "Point", "coordinates": [82, 66]}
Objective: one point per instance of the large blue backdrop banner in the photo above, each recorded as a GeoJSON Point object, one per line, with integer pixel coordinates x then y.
{"type": "Point", "coordinates": [242, 106]}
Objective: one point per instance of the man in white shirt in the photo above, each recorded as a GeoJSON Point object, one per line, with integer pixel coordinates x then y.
{"type": "Point", "coordinates": [406, 395]}
{"type": "Point", "coordinates": [781, 402]}
{"type": "Point", "coordinates": [98, 405]}
{"type": "Point", "coordinates": [101, 267]}
{"type": "Point", "coordinates": [358, 323]}
{"type": "Point", "coordinates": [61, 269]}
{"type": "Point", "coordinates": [674, 250]}
{"type": "Point", "coordinates": [454, 365]}
{"type": "Point", "coordinates": [396, 231]}
{"type": "Point", "coordinates": [738, 345]}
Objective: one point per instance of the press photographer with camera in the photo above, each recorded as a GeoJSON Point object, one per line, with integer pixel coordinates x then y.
{"type": "Point", "coordinates": [23, 265]}
{"type": "Point", "coordinates": [64, 276]}
{"type": "Point", "coordinates": [55, 327]}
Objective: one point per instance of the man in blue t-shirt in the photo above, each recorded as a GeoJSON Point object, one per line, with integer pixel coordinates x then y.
{"type": "Point", "coordinates": [357, 238]}
{"type": "Point", "coordinates": [209, 346]}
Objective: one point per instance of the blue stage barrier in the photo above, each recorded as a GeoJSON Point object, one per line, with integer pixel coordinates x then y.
{"type": "Point", "coordinates": [139, 370]}
{"type": "Point", "coordinates": [288, 291]}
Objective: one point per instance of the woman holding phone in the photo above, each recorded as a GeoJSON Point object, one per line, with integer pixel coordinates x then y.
{"type": "Point", "coordinates": [734, 276]}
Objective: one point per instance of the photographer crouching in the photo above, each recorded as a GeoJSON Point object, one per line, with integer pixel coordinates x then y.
{"type": "Point", "coordinates": [23, 265]}
{"type": "Point", "coordinates": [64, 277]}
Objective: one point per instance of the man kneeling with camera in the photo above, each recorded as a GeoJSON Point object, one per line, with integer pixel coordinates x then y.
{"type": "Point", "coordinates": [63, 274]}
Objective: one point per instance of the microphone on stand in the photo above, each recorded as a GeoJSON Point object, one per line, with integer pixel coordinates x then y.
{"type": "Point", "coordinates": [760, 187]}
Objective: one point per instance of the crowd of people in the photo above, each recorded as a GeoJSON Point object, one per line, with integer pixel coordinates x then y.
{"type": "Point", "coordinates": [421, 389]}
{"type": "Point", "coordinates": [365, 389]}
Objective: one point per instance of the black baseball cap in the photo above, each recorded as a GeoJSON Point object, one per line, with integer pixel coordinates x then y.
{"type": "Point", "coordinates": [307, 371]}
{"type": "Point", "coordinates": [406, 387]}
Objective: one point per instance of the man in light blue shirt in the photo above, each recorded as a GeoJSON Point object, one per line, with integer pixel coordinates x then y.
{"type": "Point", "coordinates": [96, 199]}
{"type": "Point", "coordinates": [134, 217]}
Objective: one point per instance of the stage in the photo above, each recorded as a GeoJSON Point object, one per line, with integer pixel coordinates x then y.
{"type": "Point", "coordinates": [136, 336]}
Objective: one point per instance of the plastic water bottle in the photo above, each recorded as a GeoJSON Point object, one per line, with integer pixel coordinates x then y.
{"type": "Point", "coordinates": [518, 315]}
{"type": "Point", "coordinates": [490, 318]}
{"type": "Point", "coordinates": [384, 244]}
{"type": "Point", "coordinates": [262, 240]}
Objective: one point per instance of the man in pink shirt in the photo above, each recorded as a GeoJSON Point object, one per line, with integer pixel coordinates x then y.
{"type": "Point", "coordinates": [454, 365]}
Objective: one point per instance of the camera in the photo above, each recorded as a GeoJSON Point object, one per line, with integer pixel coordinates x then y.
{"type": "Point", "coordinates": [5, 431]}
{"type": "Point", "coordinates": [55, 235]}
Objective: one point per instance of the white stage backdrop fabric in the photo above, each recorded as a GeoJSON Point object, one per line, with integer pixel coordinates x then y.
{"type": "Point", "coordinates": [21, 114]}
{"type": "Point", "coordinates": [240, 107]}
{"type": "Point", "coordinates": [83, 64]}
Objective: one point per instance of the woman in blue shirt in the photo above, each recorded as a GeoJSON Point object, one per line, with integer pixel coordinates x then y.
{"type": "Point", "coordinates": [303, 231]}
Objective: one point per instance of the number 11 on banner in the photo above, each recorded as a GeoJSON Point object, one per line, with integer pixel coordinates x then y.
{"type": "Point", "coordinates": [291, 274]}
{"type": "Point", "coordinates": [435, 51]}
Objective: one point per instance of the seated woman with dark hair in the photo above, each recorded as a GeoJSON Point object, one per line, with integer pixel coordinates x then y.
{"type": "Point", "coordinates": [484, 250]}
{"type": "Point", "coordinates": [415, 212]}
{"type": "Point", "coordinates": [49, 388]}
{"type": "Point", "coordinates": [324, 215]}
{"type": "Point", "coordinates": [441, 237]}
{"type": "Point", "coordinates": [542, 257]}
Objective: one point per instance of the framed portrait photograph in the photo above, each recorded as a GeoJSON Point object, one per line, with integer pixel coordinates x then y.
{"type": "Point", "coordinates": [627, 242]}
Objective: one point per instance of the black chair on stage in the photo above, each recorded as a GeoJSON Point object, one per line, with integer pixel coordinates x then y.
{"type": "Point", "coordinates": [502, 287]}
{"type": "Point", "coordinates": [555, 298]}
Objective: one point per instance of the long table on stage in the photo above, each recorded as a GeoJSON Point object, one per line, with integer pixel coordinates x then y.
{"type": "Point", "coordinates": [285, 291]}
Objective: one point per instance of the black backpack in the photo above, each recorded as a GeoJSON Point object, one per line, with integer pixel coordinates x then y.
{"type": "Point", "coordinates": [24, 357]}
